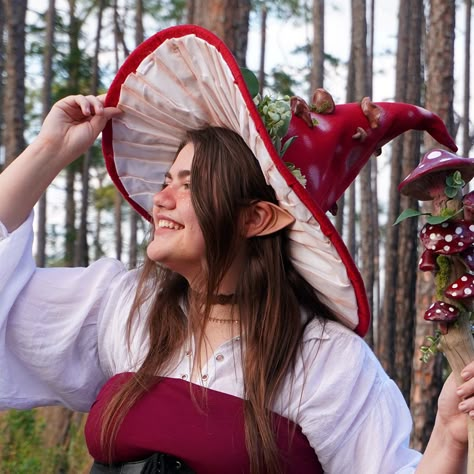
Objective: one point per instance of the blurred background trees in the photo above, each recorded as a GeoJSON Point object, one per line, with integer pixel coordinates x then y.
{"type": "Point", "coordinates": [51, 48]}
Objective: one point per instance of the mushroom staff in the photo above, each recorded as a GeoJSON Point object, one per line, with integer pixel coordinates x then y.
{"type": "Point", "coordinates": [449, 237]}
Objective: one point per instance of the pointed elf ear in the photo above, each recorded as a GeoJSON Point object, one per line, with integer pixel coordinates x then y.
{"type": "Point", "coordinates": [265, 218]}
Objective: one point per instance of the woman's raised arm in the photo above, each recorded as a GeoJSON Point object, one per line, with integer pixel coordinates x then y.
{"type": "Point", "coordinates": [67, 132]}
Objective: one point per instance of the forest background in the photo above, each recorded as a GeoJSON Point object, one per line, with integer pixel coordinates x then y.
{"type": "Point", "coordinates": [408, 50]}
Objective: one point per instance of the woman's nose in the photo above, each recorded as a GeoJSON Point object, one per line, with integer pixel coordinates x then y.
{"type": "Point", "coordinates": [165, 198]}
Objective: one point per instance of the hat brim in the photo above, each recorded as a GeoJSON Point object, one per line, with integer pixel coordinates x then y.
{"type": "Point", "coordinates": [184, 78]}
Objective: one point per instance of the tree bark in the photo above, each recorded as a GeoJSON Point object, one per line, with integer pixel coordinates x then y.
{"type": "Point", "coordinates": [82, 247]}
{"type": "Point", "coordinates": [228, 19]}
{"type": "Point", "coordinates": [46, 105]}
{"type": "Point", "coordinates": [427, 378]}
{"type": "Point", "coordinates": [466, 137]}
{"type": "Point", "coordinates": [2, 69]}
{"type": "Point", "coordinates": [263, 41]}
{"type": "Point", "coordinates": [387, 318]}
{"type": "Point", "coordinates": [14, 98]}
{"type": "Point", "coordinates": [408, 233]}
{"type": "Point", "coordinates": [317, 47]}
{"type": "Point", "coordinates": [361, 88]}
{"type": "Point", "coordinates": [133, 247]}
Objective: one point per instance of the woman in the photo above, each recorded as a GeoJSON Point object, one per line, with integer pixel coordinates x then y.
{"type": "Point", "coordinates": [246, 292]}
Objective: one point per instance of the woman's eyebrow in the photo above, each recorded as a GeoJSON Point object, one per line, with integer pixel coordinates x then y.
{"type": "Point", "coordinates": [181, 174]}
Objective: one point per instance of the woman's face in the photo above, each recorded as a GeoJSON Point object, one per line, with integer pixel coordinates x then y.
{"type": "Point", "coordinates": [178, 242]}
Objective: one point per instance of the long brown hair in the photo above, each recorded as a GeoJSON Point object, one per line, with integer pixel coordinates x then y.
{"type": "Point", "coordinates": [225, 180]}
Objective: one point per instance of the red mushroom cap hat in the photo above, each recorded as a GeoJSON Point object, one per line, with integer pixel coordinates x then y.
{"type": "Point", "coordinates": [184, 78]}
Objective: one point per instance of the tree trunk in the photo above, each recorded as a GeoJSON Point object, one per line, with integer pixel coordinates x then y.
{"type": "Point", "coordinates": [263, 39]}
{"type": "Point", "coordinates": [228, 19]}
{"type": "Point", "coordinates": [2, 69]}
{"type": "Point", "coordinates": [466, 137]}
{"type": "Point", "coordinates": [408, 232]}
{"type": "Point", "coordinates": [133, 247]}
{"type": "Point", "coordinates": [361, 87]}
{"type": "Point", "coordinates": [46, 105]}
{"type": "Point", "coordinates": [387, 319]}
{"type": "Point", "coordinates": [14, 98]}
{"type": "Point", "coordinates": [73, 86]}
{"type": "Point", "coordinates": [427, 379]}
{"type": "Point", "coordinates": [82, 247]}
{"type": "Point", "coordinates": [317, 48]}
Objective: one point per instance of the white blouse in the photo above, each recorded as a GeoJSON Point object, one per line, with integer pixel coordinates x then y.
{"type": "Point", "coordinates": [62, 335]}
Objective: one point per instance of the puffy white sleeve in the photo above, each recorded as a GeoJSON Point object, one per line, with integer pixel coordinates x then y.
{"type": "Point", "coordinates": [49, 324]}
{"type": "Point", "coordinates": [353, 415]}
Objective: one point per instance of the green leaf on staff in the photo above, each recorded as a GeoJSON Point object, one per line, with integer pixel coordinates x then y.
{"type": "Point", "coordinates": [407, 213]}
{"type": "Point", "coordinates": [448, 214]}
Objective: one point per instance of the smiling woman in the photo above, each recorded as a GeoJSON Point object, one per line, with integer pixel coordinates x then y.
{"type": "Point", "coordinates": [236, 346]}
{"type": "Point", "coordinates": [178, 242]}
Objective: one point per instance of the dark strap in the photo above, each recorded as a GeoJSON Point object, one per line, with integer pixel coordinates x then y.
{"type": "Point", "coordinates": [158, 463]}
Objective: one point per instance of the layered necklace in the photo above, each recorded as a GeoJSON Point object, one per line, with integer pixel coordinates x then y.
{"type": "Point", "coordinates": [222, 300]}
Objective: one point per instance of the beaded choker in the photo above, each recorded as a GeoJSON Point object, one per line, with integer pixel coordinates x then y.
{"type": "Point", "coordinates": [219, 298]}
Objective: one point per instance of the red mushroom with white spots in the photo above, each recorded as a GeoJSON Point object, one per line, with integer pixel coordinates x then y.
{"type": "Point", "coordinates": [462, 288]}
{"type": "Point", "coordinates": [427, 262]}
{"type": "Point", "coordinates": [443, 313]}
{"type": "Point", "coordinates": [447, 238]}
{"type": "Point", "coordinates": [427, 181]}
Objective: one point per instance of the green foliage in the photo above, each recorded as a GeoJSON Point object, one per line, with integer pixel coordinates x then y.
{"type": "Point", "coordinates": [251, 81]}
{"type": "Point", "coordinates": [22, 450]}
{"type": "Point", "coordinates": [431, 348]}
{"type": "Point", "coordinates": [282, 82]}
{"type": "Point", "coordinates": [442, 275]}
{"type": "Point", "coordinates": [280, 8]}
{"type": "Point", "coordinates": [445, 216]}
{"type": "Point", "coordinates": [454, 184]}
{"type": "Point", "coordinates": [104, 197]}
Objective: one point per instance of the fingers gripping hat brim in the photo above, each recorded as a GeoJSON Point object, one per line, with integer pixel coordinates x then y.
{"type": "Point", "coordinates": [185, 78]}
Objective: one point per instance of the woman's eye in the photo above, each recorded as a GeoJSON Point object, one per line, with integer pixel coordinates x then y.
{"type": "Point", "coordinates": [187, 185]}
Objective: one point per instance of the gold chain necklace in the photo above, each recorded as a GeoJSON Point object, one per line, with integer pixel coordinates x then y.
{"type": "Point", "coordinates": [223, 320]}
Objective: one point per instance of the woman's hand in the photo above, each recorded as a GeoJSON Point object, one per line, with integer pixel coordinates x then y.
{"type": "Point", "coordinates": [67, 132]}
{"type": "Point", "coordinates": [447, 448]}
{"type": "Point", "coordinates": [456, 403]}
{"type": "Point", "coordinates": [73, 124]}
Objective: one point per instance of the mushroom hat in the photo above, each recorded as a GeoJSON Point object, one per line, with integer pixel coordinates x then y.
{"type": "Point", "coordinates": [185, 78]}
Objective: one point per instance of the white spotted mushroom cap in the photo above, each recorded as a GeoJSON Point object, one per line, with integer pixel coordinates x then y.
{"type": "Point", "coordinates": [462, 288]}
{"type": "Point", "coordinates": [450, 237]}
{"type": "Point", "coordinates": [442, 312]}
{"type": "Point", "coordinates": [431, 173]}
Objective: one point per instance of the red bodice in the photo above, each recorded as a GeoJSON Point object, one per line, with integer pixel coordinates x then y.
{"type": "Point", "coordinates": [207, 433]}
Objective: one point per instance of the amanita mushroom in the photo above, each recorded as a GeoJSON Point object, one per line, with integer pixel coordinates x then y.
{"type": "Point", "coordinates": [443, 313]}
{"type": "Point", "coordinates": [428, 179]}
{"type": "Point", "coordinates": [448, 238]}
{"type": "Point", "coordinates": [462, 288]}
{"type": "Point", "coordinates": [427, 262]}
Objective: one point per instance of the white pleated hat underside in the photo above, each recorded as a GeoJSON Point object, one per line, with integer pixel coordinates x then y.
{"type": "Point", "coordinates": [185, 84]}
